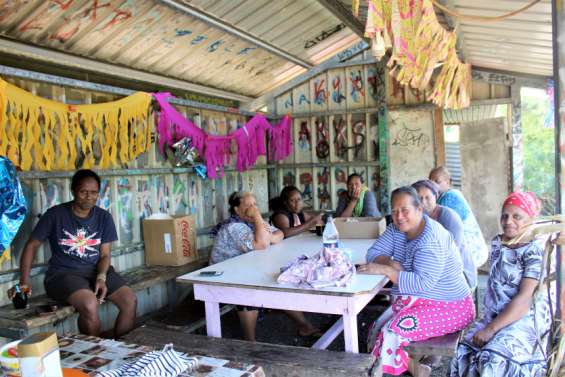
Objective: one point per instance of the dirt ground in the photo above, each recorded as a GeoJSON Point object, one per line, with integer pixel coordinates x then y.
{"type": "Point", "coordinates": [275, 327]}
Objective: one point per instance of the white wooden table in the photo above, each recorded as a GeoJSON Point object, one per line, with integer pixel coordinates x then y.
{"type": "Point", "coordinates": [251, 280]}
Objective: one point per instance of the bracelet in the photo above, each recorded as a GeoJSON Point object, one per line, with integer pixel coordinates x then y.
{"type": "Point", "coordinates": [101, 276]}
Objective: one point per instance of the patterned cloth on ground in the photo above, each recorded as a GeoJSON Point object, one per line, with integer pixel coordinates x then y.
{"type": "Point", "coordinates": [328, 268]}
{"type": "Point", "coordinates": [413, 319]}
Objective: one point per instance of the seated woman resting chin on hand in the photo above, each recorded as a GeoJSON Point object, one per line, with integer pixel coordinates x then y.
{"type": "Point", "coordinates": [245, 231]}
{"type": "Point", "coordinates": [430, 295]}
{"type": "Point", "coordinates": [504, 342]}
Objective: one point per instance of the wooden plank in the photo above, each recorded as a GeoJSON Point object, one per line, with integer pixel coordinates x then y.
{"type": "Point", "coordinates": [438, 137]}
{"type": "Point", "coordinates": [439, 346]}
{"type": "Point", "coordinates": [138, 279]}
{"type": "Point", "coordinates": [277, 360]}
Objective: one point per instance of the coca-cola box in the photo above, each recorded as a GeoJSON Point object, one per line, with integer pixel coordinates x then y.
{"type": "Point", "coordinates": [170, 242]}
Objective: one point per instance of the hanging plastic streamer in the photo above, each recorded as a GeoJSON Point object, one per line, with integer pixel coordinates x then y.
{"type": "Point", "coordinates": [420, 45]}
{"type": "Point", "coordinates": [378, 27]}
{"type": "Point", "coordinates": [215, 150]}
{"type": "Point", "coordinates": [40, 134]}
{"type": "Point", "coordinates": [281, 139]}
{"type": "Point", "coordinates": [452, 89]}
{"type": "Point", "coordinates": [13, 206]}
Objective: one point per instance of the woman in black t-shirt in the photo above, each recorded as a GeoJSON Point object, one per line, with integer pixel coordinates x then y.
{"type": "Point", "coordinates": [288, 215]}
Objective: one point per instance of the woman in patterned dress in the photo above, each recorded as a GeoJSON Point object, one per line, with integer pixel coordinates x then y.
{"type": "Point", "coordinates": [473, 239]}
{"type": "Point", "coordinates": [430, 294]}
{"type": "Point", "coordinates": [245, 231]}
{"type": "Point", "coordinates": [504, 342]}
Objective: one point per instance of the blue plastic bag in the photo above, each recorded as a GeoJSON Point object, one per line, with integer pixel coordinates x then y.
{"type": "Point", "coordinates": [13, 207]}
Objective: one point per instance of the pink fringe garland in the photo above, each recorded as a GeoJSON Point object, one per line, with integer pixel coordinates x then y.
{"type": "Point", "coordinates": [250, 138]}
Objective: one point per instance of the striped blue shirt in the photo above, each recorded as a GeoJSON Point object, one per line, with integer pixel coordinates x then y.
{"type": "Point", "coordinates": [431, 262]}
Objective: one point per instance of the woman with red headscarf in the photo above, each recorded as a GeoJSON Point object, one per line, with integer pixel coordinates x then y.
{"type": "Point", "coordinates": [504, 342]}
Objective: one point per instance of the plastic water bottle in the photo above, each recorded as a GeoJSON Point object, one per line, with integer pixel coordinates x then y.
{"type": "Point", "coordinates": [330, 236]}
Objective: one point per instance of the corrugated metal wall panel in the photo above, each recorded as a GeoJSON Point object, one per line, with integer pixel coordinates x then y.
{"type": "Point", "coordinates": [470, 114]}
{"type": "Point", "coordinates": [453, 163]}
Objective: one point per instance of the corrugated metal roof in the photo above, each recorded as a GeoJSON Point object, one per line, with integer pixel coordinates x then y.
{"type": "Point", "coordinates": [162, 37]}
{"type": "Point", "coordinates": [151, 36]}
{"type": "Point", "coordinates": [521, 43]}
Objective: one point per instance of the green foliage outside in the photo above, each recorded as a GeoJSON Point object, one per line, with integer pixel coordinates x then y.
{"type": "Point", "coordinates": [538, 147]}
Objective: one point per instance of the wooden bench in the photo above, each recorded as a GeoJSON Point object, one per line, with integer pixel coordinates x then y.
{"type": "Point", "coordinates": [17, 323]}
{"type": "Point", "coordinates": [443, 346]}
{"type": "Point", "coordinates": [276, 360]}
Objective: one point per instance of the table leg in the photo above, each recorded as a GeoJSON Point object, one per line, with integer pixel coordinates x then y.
{"type": "Point", "coordinates": [213, 324]}
{"type": "Point", "coordinates": [329, 336]}
{"type": "Point", "coordinates": [350, 333]}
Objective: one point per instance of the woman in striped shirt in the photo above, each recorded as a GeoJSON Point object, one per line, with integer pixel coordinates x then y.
{"type": "Point", "coordinates": [430, 295]}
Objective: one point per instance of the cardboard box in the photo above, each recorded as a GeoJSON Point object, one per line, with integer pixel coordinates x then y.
{"type": "Point", "coordinates": [170, 242]}
{"type": "Point", "coordinates": [38, 355]}
{"type": "Point", "coordinates": [360, 227]}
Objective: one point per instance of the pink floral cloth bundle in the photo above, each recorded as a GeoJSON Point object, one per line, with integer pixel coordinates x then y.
{"type": "Point", "coordinates": [327, 268]}
{"type": "Point", "coordinates": [250, 139]}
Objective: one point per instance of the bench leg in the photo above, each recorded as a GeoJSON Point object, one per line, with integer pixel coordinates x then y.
{"type": "Point", "coordinates": [172, 293]}
{"type": "Point", "coordinates": [213, 324]}
{"type": "Point", "coordinates": [350, 333]}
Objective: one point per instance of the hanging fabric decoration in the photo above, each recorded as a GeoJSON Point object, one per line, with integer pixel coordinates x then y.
{"type": "Point", "coordinates": [281, 139]}
{"type": "Point", "coordinates": [13, 206]}
{"type": "Point", "coordinates": [419, 45]}
{"type": "Point", "coordinates": [215, 150]}
{"type": "Point", "coordinates": [47, 135]}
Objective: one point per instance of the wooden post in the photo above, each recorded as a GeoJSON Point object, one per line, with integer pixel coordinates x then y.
{"type": "Point", "coordinates": [558, 28]}
{"type": "Point", "coordinates": [384, 163]}
{"type": "Point", "coordinates": [439, 137]}
{"type": "Point", "coordinates": [517, 147]}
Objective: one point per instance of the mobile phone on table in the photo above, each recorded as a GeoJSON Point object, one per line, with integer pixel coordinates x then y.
{"type": "Point", "coordinates": [211, 273]}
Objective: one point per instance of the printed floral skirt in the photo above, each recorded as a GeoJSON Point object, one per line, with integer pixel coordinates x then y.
{"type": "Point", "coordinates": [412, 319]}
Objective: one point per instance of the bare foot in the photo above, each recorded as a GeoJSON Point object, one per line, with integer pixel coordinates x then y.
{"type": "Point", "coordinates": [309, 330]}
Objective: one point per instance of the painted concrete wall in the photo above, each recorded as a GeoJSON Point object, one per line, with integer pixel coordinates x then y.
{"type": "Point", "coordinates": [485, 170]}
{"type": "Point", "coordinates": [411, 145]}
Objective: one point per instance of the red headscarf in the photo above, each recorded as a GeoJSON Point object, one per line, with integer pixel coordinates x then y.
{"type": "Point", "coordinates": [527, 201]}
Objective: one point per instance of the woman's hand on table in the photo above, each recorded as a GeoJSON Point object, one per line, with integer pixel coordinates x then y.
{"type": "Point", "coordinates": [380, 269]}
{"type": "Point", "coordinates": [373, 269]}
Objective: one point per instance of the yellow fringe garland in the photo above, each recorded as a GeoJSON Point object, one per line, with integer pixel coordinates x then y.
{"type": "Point", "coordinates": [40, 134]}
{"type": "Point", "coordinates": [420, 45]}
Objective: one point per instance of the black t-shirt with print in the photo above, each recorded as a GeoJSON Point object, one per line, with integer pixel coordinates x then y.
{"type": "Point", "coordinates": [75, 241]}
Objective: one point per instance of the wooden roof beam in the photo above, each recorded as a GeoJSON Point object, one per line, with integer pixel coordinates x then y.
{"type": "Point", "coordinates": [344, 14]}
{"type": "Point", "coordinates": [61, 59]}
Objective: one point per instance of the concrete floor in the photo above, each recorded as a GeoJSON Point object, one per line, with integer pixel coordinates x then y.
{"type": "Point", "coordinates": [275, 327]}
